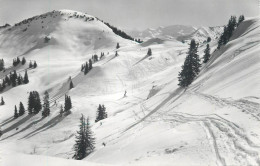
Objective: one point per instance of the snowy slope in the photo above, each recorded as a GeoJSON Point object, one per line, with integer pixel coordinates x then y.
{"type": "Point", "coordinates": [213, 122]}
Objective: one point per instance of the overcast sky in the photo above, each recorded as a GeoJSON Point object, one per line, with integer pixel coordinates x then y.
{"type": "Point", "coordinates": [136, 14]}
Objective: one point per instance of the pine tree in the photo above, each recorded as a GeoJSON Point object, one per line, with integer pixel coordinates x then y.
{"type": "Point", "coordinates": [61, 110]}
{"type": "Point", "coordinates": [21, 109]}
{"type": "Point", "coordinates": [101, 113]}
{"type": "Point", "coordinates": [116, 54]}
{"type": "Point", "coordinates": [2, 101]}
{"type": "Point", "coordinates": [104, 111]}
{"type": "Point", "coordinates": [15, 112]}
{"type": "Point", "coordinates": [90, 140]}
{"type": "Point", "coordinates": [191, 66]}
{"type": "Point", "coordinates": [149, 53]}
{"type": "Point", "coordinates": [66, 108]}
{"type": "Point", "coordinates": [19, 79]}
{"type": "Point", "coordinates": [7, 80]}
{"type": "Point", "coordinates": [117, 46]}
{"type": "Point", "coordinates": [85, 141]}
{"type": "Point", "coordinates": [207, 54]}
{"type": "Point", "coordinates": [82, 67]}
{"type": "Point", "coordinates": [2, 64]}
{"type": "Point", "coordinates": [46, 105]}
{"type": "Point", "coordinates": [67, 104]}
{"type": "Point", "coordinates": [86, 68]}
{"type": "Point", "coordinates": [34, 103]}
{"type": "Point", "coordinates": [23, 61]}
{"type": "Point", "coordinates": [30, 64]}
{"type": "Point", "coordinates": [209, 39]}
{"type": "Point", "coordinates": [18, 60]}
{"type": "Point", "coordinates": [30, 103]}
{"type": "Point", "coordinates": [80, 145]}
{"type": "Point", "coordinates": [71, 84]}
{"type": "Point", "coordinates": [90, 64]}
{"type": "Point", "coordinates": [95, 58]}
{"type": "Point", "coordinates": [14, 62]}
{"type": "Point", "coordinates": [25, 78]}
{"type": "Point", "coordinates": [34, 64]}
{"type": "Point", "coordinates": [37, 104]}
{"type": "Point", "coordinates": [240, 19]}
{"type": "Point", "coordinates": [13, 77]}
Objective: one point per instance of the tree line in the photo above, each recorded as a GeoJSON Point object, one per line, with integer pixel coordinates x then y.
{"type": "Point", "coordinates": [229, 29]}
{"type": "Point", "coordinates": [191, 66]}
{"type": "Point", "coordinates": [13, 80]}
{"type": "Point", "coordinates": [35, 105]}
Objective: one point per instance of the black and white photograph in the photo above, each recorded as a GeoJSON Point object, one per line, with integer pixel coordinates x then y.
{"type": "Point", "coordinates": [129, 82]}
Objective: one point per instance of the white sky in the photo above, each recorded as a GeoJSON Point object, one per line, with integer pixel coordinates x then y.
{"type": "Point", "coordinates": [136, 14]}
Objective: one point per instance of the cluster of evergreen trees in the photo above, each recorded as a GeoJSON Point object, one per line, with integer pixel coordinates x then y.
{"type": "Point", "coordinates": [86, 67]}
{"type": "Point", "coordinates": [138, 41]}
{"type": "Point", "coordinates": [20, 112]}
{"type": "Point", "coordinates": [13, 80]}
{"type": "Point", "coordinates": [35, 106]}
{"type": "Point", "coordinates": [85, 142]}
{"type": "Point", "coordinates": [34, 103]}
{"type": "Point", "coordinates": [17, 60]}
{"type": "Point", "coordinates": [228, 30]}
{"type": "Point", "coordinates": [101, 113]}
{"type": "Point", "coordinates": [33, 65]}
{"type": "Point", "coordinates": [191, 67]}
{"type": "Point", "coordinates": [2, 64]}
{"type": "Point", "coordinates": [119, 32]}
{"type": "Point", "coordinates": [2, 102]}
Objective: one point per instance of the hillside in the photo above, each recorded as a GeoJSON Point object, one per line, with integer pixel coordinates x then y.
{"type": "Point", "coordinates": [213, 122]}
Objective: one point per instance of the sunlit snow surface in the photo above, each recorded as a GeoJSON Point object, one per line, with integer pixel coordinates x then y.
{"type": "Point", "coordinates": [213, 122]}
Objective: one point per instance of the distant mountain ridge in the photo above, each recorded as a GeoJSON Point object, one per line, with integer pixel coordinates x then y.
{"type": "Point", "coordinates": [179, 32]}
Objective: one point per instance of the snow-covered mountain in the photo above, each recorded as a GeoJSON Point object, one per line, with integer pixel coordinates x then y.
{"type": "Point", "coordinates": [179, 32]}
{"type": "Point", "coordinates": [215, 121]}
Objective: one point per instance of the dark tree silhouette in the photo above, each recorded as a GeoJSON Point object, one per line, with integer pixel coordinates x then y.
{"type": "Point", "coordinates": [85, 142]}
{"type": "Point", "coordinates": [21, 109]}
{"type": "Point", "coordinates": [25, 78]}
{"type": "Point", "coordinates": [71, 84]}
{"type": "Point", "coordinates": [15, 112]}
{"type": "Point", "coordinates": [46, 105]}
{"type": "Point", "coordinates": [149, 53]}
{"type": "Point", "coordinates": [206, 54]}
{"type": "Point", "coordinates": [191, 66]}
